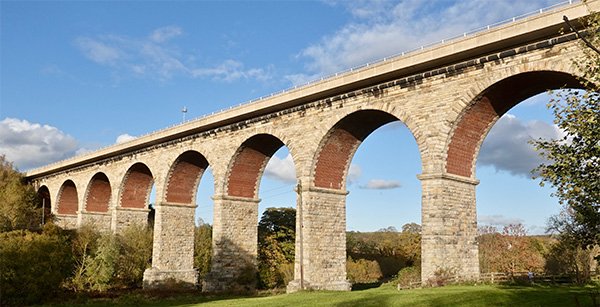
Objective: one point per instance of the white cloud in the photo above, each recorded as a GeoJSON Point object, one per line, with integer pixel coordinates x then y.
{"type": "Point", "coordinates": [383, 28]}
{"type": "Point", "coordinates": [124, 138]}
{"type": "Point", "coordinates": [154, 57]}
{"type": "Point", "coordinates": [281, 169]}
{"type": "Point", "coordinates": [231, 70]}
{"type": "Point", "coordinates": [164, 34]}
{"type": "Point", "coordinates": [498, 220]}
{"type": "Point", "coordinates": [353, 173]}
{"type": "Point", "coordinates": [30, 145]}
{"type": "Point", "coordinates": [381, 184]}
{"type": "Point", "coordinates": [506, 147]}
{"type": "Point", "coordinates": [98, 52]}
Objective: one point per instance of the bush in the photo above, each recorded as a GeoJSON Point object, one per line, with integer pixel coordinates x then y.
{"type": "Point", "coordinates": [33, 265]}
{"type": "Point", "coordinates": [135, 254]}
{"type": "Point", "coordinates": [408, 276]}
{"type": "Point", "coordinates": [363, 271]}
{"type": "Point", "coordinates": [105, 260]}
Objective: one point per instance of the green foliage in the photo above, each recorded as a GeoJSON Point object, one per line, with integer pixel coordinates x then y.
{"type": "Point", "coordinates": [567, 256]}
{"type": "Point", "coordinates": [363, 271]}
{"type": "Point", "coordinates": [18, 201]}
{"type": "Point", "coordinates": [83, 247]}
{"type": "Point", "coordinates": [135, 254]}
{"type": "Point", "coordinates": [33, 265]}
{"type": "Point", "coordinates": [574, 160]}
{"type": "Point", "coordinates": [276, 245]}
{"type": "Point", "coordinates": [409, 275]}
{"type": "Point", "coordinates": [102, 267]}
{"type": "Point", "coordinates": [391, 250]}
{"type": "Point", "coordinates": [202, 249]}
{"type": "Point", "coordinates": [105, 261]}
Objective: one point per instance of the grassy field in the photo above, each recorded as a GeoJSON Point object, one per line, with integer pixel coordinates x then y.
{"type": "Point", "coordinates": [481, 295]}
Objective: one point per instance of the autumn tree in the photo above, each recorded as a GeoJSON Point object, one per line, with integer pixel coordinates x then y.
{"type": "Point", "coordinates": [509, 251]}
{"type": "Point", "coordinates": [18, 200]}
{"type": "Point", "coordinates": [573, 166]}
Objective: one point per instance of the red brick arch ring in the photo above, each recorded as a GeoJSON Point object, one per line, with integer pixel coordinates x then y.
{"type": "Point", "coordinates": [184, 177]}
{"type": "Point", "coordinates": [98, 194]}
{"type": "Point", "coordinates": [336, 150]}
{"type": "Point", "coordinates": [67, 201]}
{"type": "Point", "coordinates": [248, 165]}
{"type": "Point", "coordinates": [478, 118]}
{"type": "Point", "coordinates": [136, 187]}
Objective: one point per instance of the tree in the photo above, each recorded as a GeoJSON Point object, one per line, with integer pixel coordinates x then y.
{"type": "Point", "coordinates": [510, 251]}
{"type": "Point", "coordinates": [202, 248]}
{"type": "Point", "coordinates": [411, 228]}
{"type": "Point", "coordinates": [18, 201]}
{"type": "Point", "coordinates": [574, 160]}
{"type": "Point", "coordinates": [276, 245]}
{"type": "Point", "coordinates": [567, 256]}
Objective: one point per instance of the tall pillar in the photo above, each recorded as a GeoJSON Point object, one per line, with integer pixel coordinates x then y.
{"type": "Point", "coordinates": [173, 247]}
{"type": "Point", "coordinates": [123, 217]}
{"type": "Point", "coordinates": [449, 227]}
{"type": "Point", "coordinates": [321, 243]}
{"type": "Point", "coordinates": [235, 245]}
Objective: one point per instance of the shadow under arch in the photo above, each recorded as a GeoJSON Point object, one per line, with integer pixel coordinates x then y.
{"type": "Point", "coordinates": [67, 200]}
{"type": "Point", "coordinates": [98, 193]}
{"type": "Point", "coordinates": [45, 202]}
{"type": "Point", "coordinates": [477, 119]}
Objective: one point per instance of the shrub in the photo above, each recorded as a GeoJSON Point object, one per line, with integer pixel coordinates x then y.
{"type": "Point", "coordinates": [363, 271]}
{"type": "Point", "coordinates": [135, 254]}
{"type": "Point", "coordinates": [33, 265]}
{"type": "Point", "coordinates": [408, 276]}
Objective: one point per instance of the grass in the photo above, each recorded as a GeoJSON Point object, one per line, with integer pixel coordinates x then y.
{"type": "Point", "coordinates": [479, 295]}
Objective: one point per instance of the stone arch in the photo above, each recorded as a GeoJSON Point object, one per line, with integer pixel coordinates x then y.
{"type": "Point", "coordinates": [136, 187]}
{"type": "Point", "coordinates": [98, 194]}
{"type": "Point", "coordinates": [44, 198]}
{"type": "Point", "coordinates": [67, 200]}
{"type": "Point", "coordinates": [477, 119]}
{"type": "Point", "coordinates": [184, 177]}
{"type": "Point", "coordinates": [248, 164]}
{"type": "Point", "coordinates": [337, 148]}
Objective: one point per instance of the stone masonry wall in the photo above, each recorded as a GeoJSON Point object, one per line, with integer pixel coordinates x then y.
{"type": "Point", "coordinates": [430, 103]}
{"type": "Point", "coordinates": [235, 240]}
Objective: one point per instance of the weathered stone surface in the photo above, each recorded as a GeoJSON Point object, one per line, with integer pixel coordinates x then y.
{"type": "Point", "coordinates": [448, 96]}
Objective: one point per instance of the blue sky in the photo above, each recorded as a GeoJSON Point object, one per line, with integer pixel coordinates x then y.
{"type": "Point", "coordinates": [76, 76]}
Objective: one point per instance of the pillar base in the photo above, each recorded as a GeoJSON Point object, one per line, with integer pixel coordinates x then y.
{"type": "Point", "coordinates": [179, 279]}
{"type": "Point", "coordinates": [294, 286]}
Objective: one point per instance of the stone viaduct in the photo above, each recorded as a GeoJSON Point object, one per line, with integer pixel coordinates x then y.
{"type": "Point", "coordinates": [448, 95]}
